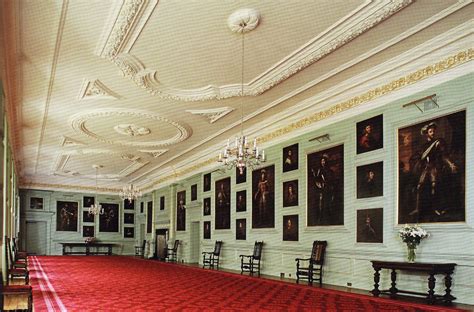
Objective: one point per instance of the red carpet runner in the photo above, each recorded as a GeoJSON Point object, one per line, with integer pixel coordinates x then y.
{"type": "Point", "coordinates": [78, 283]}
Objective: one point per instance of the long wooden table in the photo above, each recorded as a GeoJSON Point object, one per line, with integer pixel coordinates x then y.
{"type": "Point", "coordinates": [431, 269]}
{"type": "Point", "coordinates": [87, 248]}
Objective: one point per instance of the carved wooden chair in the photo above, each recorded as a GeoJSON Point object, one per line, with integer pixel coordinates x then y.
{"type": "Point", "coordinates": [312, 268]}
{"type": "Point", "coordinates": [140, 250]}
{"type": "Point", "coordinates": [14, 262]}
{"type": "Point", "coordinates": [251, 263]}
{"type": "Point", "coordinates": [15, 290]}
{"type": "Point", "coordinates": [172, 253]}
{"type": "Point", "coordinates": [19, 255]}
{"type": "Point", "coordinates": [14, 271]}
{"type": "Point", "coordinates": [211, 259]}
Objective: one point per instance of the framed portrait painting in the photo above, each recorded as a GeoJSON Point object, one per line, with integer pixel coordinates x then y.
{"type": "Point", "coordinates": [36, 203]}
{"type": "Point", "coordinates": [263, 197]}
{"type": "Point", "coordinates": [88, 231]}
{"type": "Point", "coordinates": [194, 192]}
{"type": "Point", "coordinates": [181, 211]}
{"type": "Point", "coordinates": [109, 221]}
{"type": "Point", "coordinates": [325, 187]}
{"type": "Point", "coordinates": [222, 204]}
{"type": "Point", "coordinates": [241, 229]}
{"type": "Point", "coordinates": [370, 180]}
{"type": "Point", "coordinates": [207, 229]}
{"type": "Point", "coordinates": [142, 204]}
{"type": "Point", "coordinates": [206, 182]}
{"type": "Point", "coordinates": [88, 201]}
{"type": "Point", "coordinates": [290, 158]}
{"type": "Point", "coordinates": [370, 225]}
{"type": "Point", "coordinates": [240, 175]}
{"type": "Point", "coordinates": [241, 201]}
{"type": "Point", "coordinates": [129, 218]}
{"type": "Point", "coordinates": [149, 216]}
{"type": "Point", "coordinates": [370, 134]}
{"type": "Point", "coordinates": [129, 205]}
{"type": "Point", "coordinates": [290, 228]}
{"type": "Point", "coordinates": [128, 232]}
{"type": "Point", "coordinates": [87, 217]}
{"type": "Point", "coordinates": [290, 193]}
{"type": "Point", "coordinates": [432, 170]}
{"type": "Point", "coordinates": [66, 216]}
{"type": "Point", "coordinates": [206, 207]}
{"type": "Point", "coordinates": [162, 203]}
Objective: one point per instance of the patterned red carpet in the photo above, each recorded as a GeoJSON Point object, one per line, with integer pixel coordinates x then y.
{"type": "Point", "coordinates": [79, 283]}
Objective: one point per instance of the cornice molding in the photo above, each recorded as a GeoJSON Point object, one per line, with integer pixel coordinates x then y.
{"type": "Point", "coordinates": [351, 26]}
{"type": "Point", "coordinates": [212, 114]}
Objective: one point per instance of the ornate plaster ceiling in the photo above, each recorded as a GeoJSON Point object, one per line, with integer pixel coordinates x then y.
{"type": "Point", "coordinates": [152, 89]}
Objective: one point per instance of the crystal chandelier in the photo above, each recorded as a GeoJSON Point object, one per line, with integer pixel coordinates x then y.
{"type": "Point", "coordinates": [96, 208]}
{"type": "Point", "coordinates": [130, 192]}
{"type": "Point", "coordinates": [239, 153]}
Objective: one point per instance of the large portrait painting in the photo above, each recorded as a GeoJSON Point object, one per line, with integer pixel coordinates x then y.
{"type": "Point", "coordinates": [241, 201]}
{"type": "Point", "coordinates": [109, 221]}
{"type": "Point", "coordinates": [325, 190]}
{"type": "Point", "coordinates": [207, 230]}
{"type": "Point", "coordinates": [206, 209]}
{"type": "Point", "coordinates": [162, 203]}
{"type": "Point", "coordinates": [240, 175]}
{"type": "Point", "coordinates": [222, 204]}
{"type": "Point", "coordinates": [290, 193]}
{"type": "Point", "coordinates": [370, 225]}
{"type": "Point", "coordinates": [290, 158]}
{"type": "Point", "coordinates": [206, 183]}
{"type": "Point", "coordinates": [66, 216]}
{"type": "Point", "coordinates": [149, 217]}
{"type": "Point", "coordinates": [432, 159]}
{"type": "Point", "coordinates": [370, 180]}
{"type": "Point", "coordinates": [370, 134]}
{"type": "Point", "coordinates": [181, 211]}
{"type": "Point", "coordinates": [241, 229]}
{"type": "Point", "coordinates": [263, 197]}
{"type": "Point", "coordinates": [290, 228]}
{"type": "Point", "coordinates": [194, 192]}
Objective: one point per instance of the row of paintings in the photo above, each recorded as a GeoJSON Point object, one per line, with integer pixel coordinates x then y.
{"type": "Point", "coordinates": [67, 217]}
{"type": "Point", "coordinates": [431, 177]}
{"type": "Point", "coordinates": [88, 231]}
{"type": "Point", "coordinates": [37, 203]}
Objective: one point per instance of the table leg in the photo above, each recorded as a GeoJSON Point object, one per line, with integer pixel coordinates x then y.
{"type": "Point", "coordinates": [431, 285]}
{"type": "Point", "coordinates": [393, 289]}
{"type": "Point", "coordinates": [87, 250]}
{"type": "Point", "coordinates": [376, 291]}
{"type": "Point", "coordinates": [448, 298]}
{"type": "Point", "coordinates": [64, 249]}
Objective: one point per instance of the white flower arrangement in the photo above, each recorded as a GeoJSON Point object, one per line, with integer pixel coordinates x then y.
{"type": "Point", "coordinates": [412, 234]}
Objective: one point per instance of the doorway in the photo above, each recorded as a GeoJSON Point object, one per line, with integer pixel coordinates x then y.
{"type": "Point", "coordinates": [195, 243]}
{"type": "Point", "coordinates": [161, 239]}
{"type": "Point", "coordinates": [36, 243]}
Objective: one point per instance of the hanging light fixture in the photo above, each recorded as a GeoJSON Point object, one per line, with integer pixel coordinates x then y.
{"type": "Point", "coordinates": [96, 208]}
{"type": "Point", "coordinates": [131, 192]}
{"type": "Point", "coordinates": [239, 153]}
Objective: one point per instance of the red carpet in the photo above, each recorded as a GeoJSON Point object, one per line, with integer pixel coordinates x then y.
{"type": "Point", "coordinates": [79, 283]}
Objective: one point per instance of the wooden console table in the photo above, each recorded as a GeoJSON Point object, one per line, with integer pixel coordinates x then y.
{"type": "Point", "coordinates": [428, 268]}
{"type": "Point", "coordinates": [87, 249]}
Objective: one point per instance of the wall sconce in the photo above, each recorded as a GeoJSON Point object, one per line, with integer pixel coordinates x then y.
{"type": "Point", "coordinates": [321, 138]}
{"type": "Point", "coordinates": [424, 104]}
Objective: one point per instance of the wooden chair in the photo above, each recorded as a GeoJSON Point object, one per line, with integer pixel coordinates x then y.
{"type": "Point", "coordinates": [312, 268]}
{"type": "Point", "coordinates": [19, 255]}
{"type": "Point", "coordinates": [251, 263]}
{"type": "Point", "coordinates": [211, 259]}
{"type": "Point", "coordinates": [12, 271]}
{"type": "Point", "coordinates": [15, 290]}
{"type": "Point", "coordinates": [140, 250]}
{"type": "Point", "coordinates": [171, 253]}
{"type": "Point", "coordinates": [14, 262]}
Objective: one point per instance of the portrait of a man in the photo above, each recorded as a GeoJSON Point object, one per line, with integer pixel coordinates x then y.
{"type": "Point", "coordinates": [194, 192]}
{"type": "Point", "coordinates": [88, 231]}
{"type": "Point", "coordinates": [207, 229]}
{"type": "Point", "coordinates": [290, 193]}
{"type": "Point", "coordinates": [129, 205]}
{"type": "Point", "coordinates": [109, 221]}
{"type": "Point", "coordinates": [325, 193]}
{"type": "Point", "coordinates": [142, 204]}
{"type": "Point", "coordinates": [241, 229]}
{"type": "Point", "coordinates": [222, 204]}
{"type": "Point", "coordinates": [240, 175]}
{"type": "Point", "coordinates": [88, 201]}
{"type": "Point", "coordinates": [241, 201]}
{"type": "Point", "coordinates": [36, 203]}
{"type": "Point", "coordinates": [290, 158]}
{"type": "Point", "coordinates": [128, 232]}
{"type": "Point", "coordinates": [87, 217]}
{"type": "Point", "coordinates": [162, 203]}
{"type": "Point", "coordinates": [290, 228]}
{"type": "Point", "coordinates": [66, 216]}
{"type": "Point", "coordinates": [206, 183]}
{"type": "Point", "coordinates": [206, 206]}
{"type": "Point", "coordinates": [370, 180]}
{"type": "Point", "coordinates": [181, 211]}
{"type": "Point", "coordinates": [370, 134]}
{"type": "Point", "coordinates": [370, 225]}
{"type": "Point", "coordinates": [263, 197]}
{"type": "Point", "coordinates": [149, 216]}
{"type": "Point", "coordinates": [432, 160]}
{"type": "Point", "coordinates": [128, 218]}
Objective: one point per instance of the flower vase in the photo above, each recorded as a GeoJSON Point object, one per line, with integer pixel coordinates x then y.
{"type": "Point", "coordinates": [411, 254]}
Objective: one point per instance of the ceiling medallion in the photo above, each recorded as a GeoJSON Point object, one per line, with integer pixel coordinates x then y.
{"type": "Point", "coordinates": [131, 130]}
{"type": "Point", "coordinates": [243, 20]}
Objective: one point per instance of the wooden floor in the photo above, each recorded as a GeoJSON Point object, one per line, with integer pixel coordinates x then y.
{"type": "Point", "coordinates": [21, 302]}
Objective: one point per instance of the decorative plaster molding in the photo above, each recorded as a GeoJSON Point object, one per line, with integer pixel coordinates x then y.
{"type": "Point", "coordinates": [243, 20]}
{"type": "Point", "coordinates": [95, 89]}
{"type": "Point", "coordinates": [356, 23]}
{"type": "Point", "coordinates": [78, 123]}
{"type": "Point", "coordinates": [154, 153]}
{"type": "Point", "coordinates": [131, 130]}
{"type": "Point", "coordinates": [68, 142]}
{"type": "Point", "coordinates": [213, 114]}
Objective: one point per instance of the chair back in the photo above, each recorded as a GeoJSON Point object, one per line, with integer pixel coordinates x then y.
{"type": "Point", "coordinates": [8, 253]}
{"type": "Point", "coordinates": [257, 250]}
{"type": "Point", "coordinates": [217, 248]}
{"type": "Point", "coordinates": [176, 244]}
{"type": "Point", "coordinates": [319, 249]}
